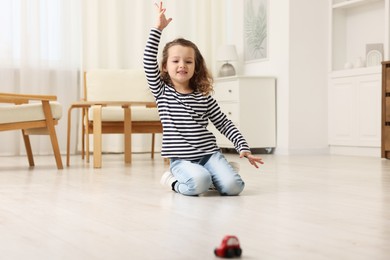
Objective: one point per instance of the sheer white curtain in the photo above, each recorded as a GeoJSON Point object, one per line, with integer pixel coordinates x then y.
{"type": "Point", "coordinates": [40, 54]}
{"type": "Point", "coordinates": [117, 30]}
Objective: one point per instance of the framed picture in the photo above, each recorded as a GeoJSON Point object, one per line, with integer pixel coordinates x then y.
{"type": "Point", "coordinates": [255, 30]}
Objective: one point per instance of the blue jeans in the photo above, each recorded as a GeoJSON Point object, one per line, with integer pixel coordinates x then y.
{"type": "Point", "coordinates": [196, 177]}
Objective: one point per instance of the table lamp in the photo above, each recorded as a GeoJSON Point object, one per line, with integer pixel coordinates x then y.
{"type": "Point", "coordinates": [227, 53]}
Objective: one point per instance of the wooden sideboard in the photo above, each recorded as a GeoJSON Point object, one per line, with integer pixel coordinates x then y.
{"type": "Point", "coordinates": [385, 150]}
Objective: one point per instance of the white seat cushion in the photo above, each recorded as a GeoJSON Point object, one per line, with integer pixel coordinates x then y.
{"type": "Point", "coordinates": [116, 114]}
{"type": "Point", "coordinates": [27, 112]}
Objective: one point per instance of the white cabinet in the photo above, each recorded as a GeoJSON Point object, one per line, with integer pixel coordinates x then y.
{"type": "Point", "coordinates": [355, 111]}
{"type": "Point", "coordinates": [250, 103]}
{"type": "Point", "coordinates": [354, 92]}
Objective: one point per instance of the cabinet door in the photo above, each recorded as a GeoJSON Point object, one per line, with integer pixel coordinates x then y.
{"type": "Point", "coordinates": [355, 111]}
{"type": "Point", "coordinates": [341, 104]}
{"type": "Point", "coordinates": [369, 111]}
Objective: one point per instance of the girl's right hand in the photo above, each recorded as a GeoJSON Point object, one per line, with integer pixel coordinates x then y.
{"type": "Point", "coordinates": [162, 21]}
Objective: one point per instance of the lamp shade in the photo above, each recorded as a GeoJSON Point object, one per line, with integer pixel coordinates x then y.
{"type": "Point", "coordinates": [226, 53]}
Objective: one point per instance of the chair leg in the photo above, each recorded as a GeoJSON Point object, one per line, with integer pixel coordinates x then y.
{"type": "Point", "coordinates": [127, 132]}
{"type": "Point", "coordinates": [153, 141]}
{"type": "Point", "coordinates": [27, 144]}
{"type": "Point", "coordinates": [52, 133]}
{"type": "Point", "coordinates": [82, 133]}
{"type": "Point", "coordinates": [68, 136]}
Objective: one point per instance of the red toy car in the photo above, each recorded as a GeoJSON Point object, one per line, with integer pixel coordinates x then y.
{"type": "Point", "coordinates": [229, 248]}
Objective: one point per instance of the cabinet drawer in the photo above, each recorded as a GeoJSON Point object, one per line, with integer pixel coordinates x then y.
{"type": "Point", "coordinates": [387, 113]}
{"type": "Point", "coordinates": [232, 111]}
{"type": "Point", "coordinates": [386, 137]}
{"type": "Point", "coordinates": [226, 91]}
{"type": "Point", "coordinates": [387, 79]}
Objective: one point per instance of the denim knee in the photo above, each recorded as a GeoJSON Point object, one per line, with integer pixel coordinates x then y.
{"type": "Point", "coordinates": [232, 187]}
{"type": "Point", "coordinates": [225, 178]}
{"type": "Point", "coordinates": [199, 183]}
{"type": "Point", "coordinates": [193, 179]}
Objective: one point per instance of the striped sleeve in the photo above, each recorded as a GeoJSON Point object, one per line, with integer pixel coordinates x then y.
{"type": "Point", "coordinates": [150, 62]}
{"type": "Point", "coordinates": [226, 126]}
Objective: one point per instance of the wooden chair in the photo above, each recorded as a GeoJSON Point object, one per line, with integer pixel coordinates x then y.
{"type": "Point", "coordinates": [31, 118]}
{"type": "Point", "coordinates": [115, 101]}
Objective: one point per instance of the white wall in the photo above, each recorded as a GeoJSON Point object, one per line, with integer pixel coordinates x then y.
{"type": "Point", "coordinates": [308, 69]}
{"type": "Point", "coordinates": [298, 59]}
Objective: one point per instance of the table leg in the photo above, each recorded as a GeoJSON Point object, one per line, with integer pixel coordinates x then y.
{"type": "Point", "coordinates": [97, 136]}
{"type": "Point", "coordinates": [86, 128]}
{"type": "Point", "coordinates": [127, 132]}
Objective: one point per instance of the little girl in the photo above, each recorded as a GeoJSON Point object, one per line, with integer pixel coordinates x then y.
{"type": "Point", "coordinates": [182, 90]}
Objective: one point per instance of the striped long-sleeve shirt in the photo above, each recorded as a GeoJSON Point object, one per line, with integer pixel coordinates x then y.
{"type": "Point", "coordinates": [185, 116]}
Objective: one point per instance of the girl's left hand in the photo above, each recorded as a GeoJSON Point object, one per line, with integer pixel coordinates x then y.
{"type": "Point", "coordinates": [254, 160]}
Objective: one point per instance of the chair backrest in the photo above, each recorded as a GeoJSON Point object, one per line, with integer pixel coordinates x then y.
{"type": "Point", "coordinates": [117, 85]}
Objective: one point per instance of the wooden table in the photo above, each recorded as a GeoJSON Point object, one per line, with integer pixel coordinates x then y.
{"type": "Point", "coordinates": [96, 107]}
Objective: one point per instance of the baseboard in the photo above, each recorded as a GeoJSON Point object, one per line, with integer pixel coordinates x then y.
{"type": "Point", "coordinates": [308, 151]}
{"type": "Point", "coordinates": [356, 151]}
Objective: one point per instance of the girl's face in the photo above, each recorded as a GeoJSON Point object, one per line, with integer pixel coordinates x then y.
{"type": "Point", "coordinates": [180, 65]}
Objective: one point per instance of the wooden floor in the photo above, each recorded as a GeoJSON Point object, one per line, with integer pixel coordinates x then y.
{"type": "Point", "coordinates": [295, 207]}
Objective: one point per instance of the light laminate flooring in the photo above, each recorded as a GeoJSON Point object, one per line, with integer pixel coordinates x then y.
{"type": "Point", "coordinates": [294, 207]}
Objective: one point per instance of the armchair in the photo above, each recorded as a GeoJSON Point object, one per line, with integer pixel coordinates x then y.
{"type": "Point", "coordinates": [115, 101]}
{"type": "Point", "coordinates": [31, 118]}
